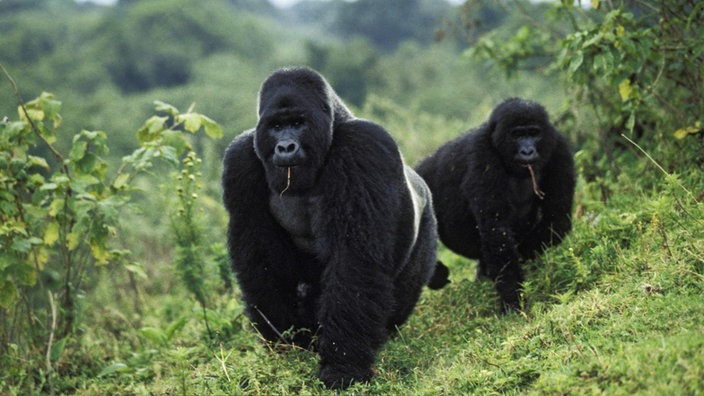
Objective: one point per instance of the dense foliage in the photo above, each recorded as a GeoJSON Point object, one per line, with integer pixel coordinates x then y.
{"type": "Point", "coordinates": [60, 213]}
{"type": "Point", "coordinates": [637, 64]}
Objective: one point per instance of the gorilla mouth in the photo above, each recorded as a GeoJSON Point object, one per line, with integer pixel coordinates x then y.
{"type": "Point", "coordinates": [525, 161]}
{"type": "Point", "coordinates": [536, 190]}
{"type": "Point", "coordinates": [285, 163]}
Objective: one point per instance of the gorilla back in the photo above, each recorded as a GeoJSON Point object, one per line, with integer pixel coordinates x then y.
{"type": "Point", "coordinates": [330, 234]}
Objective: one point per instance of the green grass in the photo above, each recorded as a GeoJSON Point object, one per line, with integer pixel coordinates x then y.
{"type": "Point", "coordinates": [618, 308]}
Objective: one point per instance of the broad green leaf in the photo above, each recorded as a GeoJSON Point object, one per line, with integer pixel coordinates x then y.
{"type": "Point", "coordinates": [86, 180]}
{"type": "Point", "coordinates": [113, 368]}
{"type": "Point", "coordinates": [51, 234]}
{"type": "Point", "coordinates": [57, 349]}
{"type": "Point", "coordinates": [34, 114]}
{"type": "Point", "coordinates": [175, 327]}
{"type": "Point", "coordinates": [13, 129]}
{"type": "Point", "coordinates": [48, 187]}
{"type": "Point", "coordinates": [169, 154]}
{"type": "Point", "coordinates": [177, 140]}
{"type": "Point", "coordinates": [212, 129]}
{"type": "Point", "coordinates": [78, 150]}
{"type": "Point", "coordinates": [153, 334]}
{"type": "Point", "coordinates": [136, 269]}
{"type": "Point", "coordinates": [595, 39]}
{"type": "Point", "coordinates": [625, 89]}
{"type": "Point", "coordinates": [596, 4]}
{"type": "Point", "coordinates": [191, 121]}
{"type": "Point", "coordinates": [41, 257]}
{"type": "Point", "coordinates": [165, 107]}
{"type": "Point", "coordinates": [89, 163]}
{"type": "Point", "coordinates": [156, 124]}
{"type": "Point", "coordinates": [47, 134]}
{"type": "Point", "coordinates": [23, 245]}
{"type": "Point", "coordinates": [97, 140]}
{"type": "Point", "coordinates": [37, 179]}
{"type": "Point", "coordinates": [14, 226]}
{"type": "Point", "coordinates": [56, 205]}
{"type": "Point", "coordinates": [50, 105]}
{"type": "Point", "coordinates": [73, 239]}
{"type": "Point", "coordinates": [8, 294]}
{"type": "Point", "coordinates": [92, 135]}
{"type": "Point", "coordinates": [38, 161]}
{"type": "Point", "coordinates": [100, 253]}
{"type": "Point", "coordinates": [121, 180]}
{"type": "Point", "coordinates": [151, 130]}
{"type": "Point", "coordinates": [576, 62]}
{"type": "Point", "coordinates": [61, 179]}
{"type": "Point", "coordinates": [57, 120]}
{"type": "Point", "coordinates": [110, 208]}
{"type": "Point", "coordinates": [620, 31]}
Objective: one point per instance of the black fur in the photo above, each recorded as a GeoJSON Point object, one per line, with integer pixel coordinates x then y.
{"type": "Point", "coordinates": [484, 199]}
{"type": "Point", "coordinates": [343, 249]}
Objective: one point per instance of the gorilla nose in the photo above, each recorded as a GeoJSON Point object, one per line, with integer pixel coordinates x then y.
{"type": "Point", "coordinates": [527, 155]}
{"type": "Point", "coordinates": [286, 147]}
{"type": "Point", "coordinates": [286, 152]}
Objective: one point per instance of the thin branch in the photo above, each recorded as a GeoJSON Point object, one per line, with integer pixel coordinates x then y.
{"type": "Point", "coordinates": [49, 368]}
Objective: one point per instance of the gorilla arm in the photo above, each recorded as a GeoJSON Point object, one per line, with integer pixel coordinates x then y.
{"type": "Point", "coordinates": [362, 189]}
{"type": "Point", "coordinates": [262, 255]}
{"type": "Point", "coordinates": [499, 258]}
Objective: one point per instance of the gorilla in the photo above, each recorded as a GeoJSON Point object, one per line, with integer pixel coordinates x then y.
{"type": "Point", "coordinates": [331, 236]}
{"type": "Point", "coordinates": [503, 192]}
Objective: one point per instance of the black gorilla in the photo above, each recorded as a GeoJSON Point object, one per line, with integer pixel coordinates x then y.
{"type": "Point", "coordinates": [330, 234]}
{"type": "Point", "coordinates": [503, 192]}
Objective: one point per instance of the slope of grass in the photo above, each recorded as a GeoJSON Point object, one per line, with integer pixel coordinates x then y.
{"type": "Point", "coordinates": [618, 308]}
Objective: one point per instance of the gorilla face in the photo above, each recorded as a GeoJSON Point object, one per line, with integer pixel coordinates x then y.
{"type": "Point", "coordinates": [523, 136]}
{"type": "Point", "coordinates": [292, 136]}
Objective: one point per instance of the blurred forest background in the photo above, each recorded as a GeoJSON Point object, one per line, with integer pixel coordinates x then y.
{"type": "Point", "coordinates": [84, 298]}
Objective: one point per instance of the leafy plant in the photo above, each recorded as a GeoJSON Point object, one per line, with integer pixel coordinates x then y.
{"type": "Point", "coordinates": [637, 64]}
{"type": "Point", "coordinates": [59, 212]}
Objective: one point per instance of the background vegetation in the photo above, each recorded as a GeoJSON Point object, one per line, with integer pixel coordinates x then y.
{"type": "Point", "coordinates": [113, 273]}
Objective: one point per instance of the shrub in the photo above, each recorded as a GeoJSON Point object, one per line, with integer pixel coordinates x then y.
{"type": "Point", "coordinates": [636, 64]}
{"type": "Point", "coordinates": [58, 214]}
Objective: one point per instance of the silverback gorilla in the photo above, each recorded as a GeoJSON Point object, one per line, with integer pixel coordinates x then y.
{"type": "Point", "coordinates": [503, 192]}
{"type": "Point", "coordinates": [331, 236]}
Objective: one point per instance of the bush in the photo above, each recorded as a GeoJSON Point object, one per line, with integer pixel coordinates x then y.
{"type": "Point", "coordinates": [636, 64]}
{"type": "Point", "coordinates": [59, 212]}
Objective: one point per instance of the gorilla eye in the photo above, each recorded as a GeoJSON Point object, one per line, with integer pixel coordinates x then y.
{"type": "Point", "coordinates": [523, 132]}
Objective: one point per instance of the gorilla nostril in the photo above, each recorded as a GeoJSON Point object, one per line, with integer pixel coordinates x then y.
{"type": "Point", "coordinates": [286, 147]}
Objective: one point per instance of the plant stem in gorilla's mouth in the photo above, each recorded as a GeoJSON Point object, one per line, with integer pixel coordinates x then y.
{"type": "Point", "coordinates": [536, 189]}
{"type": "Point", "coordinates": [288, 182]}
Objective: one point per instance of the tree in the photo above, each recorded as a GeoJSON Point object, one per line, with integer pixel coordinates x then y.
{"type": "Point", "coordinates": [637, 64]}
{"type": "Point", "coordinates": [388, 23]}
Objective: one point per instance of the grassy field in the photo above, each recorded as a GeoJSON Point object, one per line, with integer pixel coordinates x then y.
{"type": "Point", "coordinates": [616, 309]}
